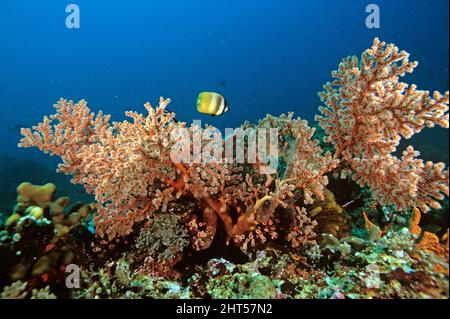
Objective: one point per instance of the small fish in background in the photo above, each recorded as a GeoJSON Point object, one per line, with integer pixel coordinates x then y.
{"type": "Point", "coordinates": [211, 103]}
{"type": "Point", "coordinates": [223, 83]}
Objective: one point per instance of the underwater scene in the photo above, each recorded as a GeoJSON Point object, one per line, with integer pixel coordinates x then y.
{"type": "Point", "coordinates": [236, 149]}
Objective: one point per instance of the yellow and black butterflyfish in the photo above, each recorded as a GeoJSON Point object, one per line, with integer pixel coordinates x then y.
{"type": "Point", "coordinates": [211, 103]}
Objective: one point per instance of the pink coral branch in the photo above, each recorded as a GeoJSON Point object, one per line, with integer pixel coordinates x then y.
{"type": "Point", "coordinates": [367, 111]}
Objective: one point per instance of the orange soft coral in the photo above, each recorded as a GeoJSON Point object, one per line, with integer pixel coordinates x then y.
{"type": "Point", "coordinates": [430, 243]}
{"type": "Point", "coordinates": [414, 222]}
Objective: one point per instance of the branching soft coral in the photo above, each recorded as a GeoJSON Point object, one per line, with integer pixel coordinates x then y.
{"type": "Point", "coordinates": [121, 163]}
{"type": "Point", "coordinates": [305, 166]}
{"type": "Point", "coordinates": [368, 110]}
{"type": "Point", "coordinates": [308, 166]}
{"type": "Point", "coordinates": [135, 174]}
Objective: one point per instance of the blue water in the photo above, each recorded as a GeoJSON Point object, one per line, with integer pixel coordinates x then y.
{"type": "Point", "coordinates": [273, 55]}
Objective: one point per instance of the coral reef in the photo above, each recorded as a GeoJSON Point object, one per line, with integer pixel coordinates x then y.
{"type": "Point", "coordinates": [37, 202]}
{"type": "Point", "coordinates": [14, 171]}
{"type": "Point", "coordinates": [326, 213]}
{"type": "Point", "coordinates": [35, 243]}
{"type": "Point", "coordinates": [18, 290]}
{"type": "Point", "coordinates": [330, 216]}
{"type": "Point", "coordinates": [107, 159]}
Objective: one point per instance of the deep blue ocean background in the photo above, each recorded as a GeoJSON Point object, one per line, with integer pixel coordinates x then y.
{"type": "Point", "coordinates": [274, 56]}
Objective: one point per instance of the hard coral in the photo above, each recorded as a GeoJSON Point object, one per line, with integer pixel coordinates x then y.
{"type": "Point", "coordinates": [37, 202]}
{"type": "Point", "coordinates": [37, 246]}
{"type": "Point", "coordinates": [36, 194]}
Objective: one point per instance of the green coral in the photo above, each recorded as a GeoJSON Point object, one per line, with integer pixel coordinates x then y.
{"type": "Point", "coordinates": [247, 285]}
